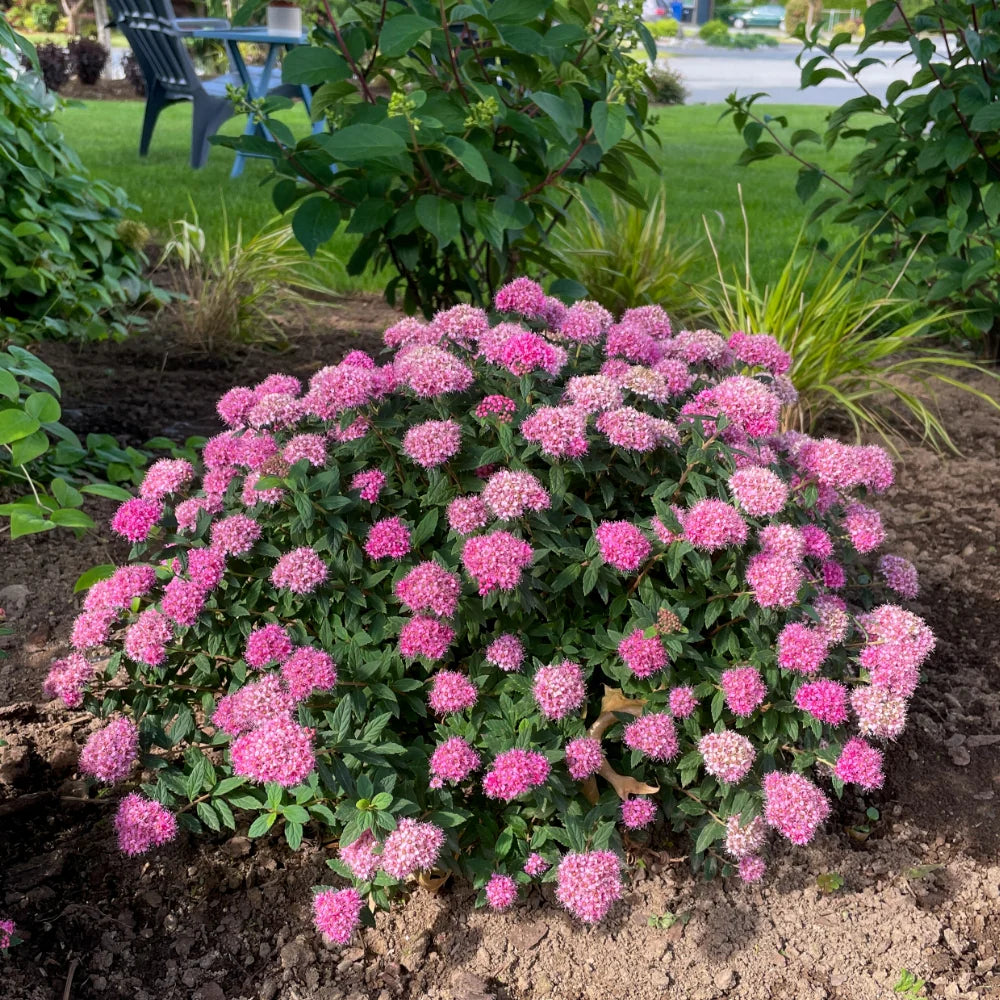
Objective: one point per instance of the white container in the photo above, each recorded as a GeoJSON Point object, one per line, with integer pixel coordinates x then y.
{"type": "Point", "coordinates": [284, 20]}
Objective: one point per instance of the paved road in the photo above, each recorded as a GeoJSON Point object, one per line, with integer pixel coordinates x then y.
{"type": "Point", "coordinates": [710, 74]}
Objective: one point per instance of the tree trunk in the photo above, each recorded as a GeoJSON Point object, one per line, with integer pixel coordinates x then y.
{"type": "Point", "coordinates": [72, 12]}
{"type": "Point", "coordinates": [103, 32]}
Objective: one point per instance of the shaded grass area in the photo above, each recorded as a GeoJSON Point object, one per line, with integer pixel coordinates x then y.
{"type": "Point", "coordinates": [696, 169]}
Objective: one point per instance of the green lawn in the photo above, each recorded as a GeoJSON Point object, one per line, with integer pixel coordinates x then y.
{"type": "Point", "coordinates": [697, 160]}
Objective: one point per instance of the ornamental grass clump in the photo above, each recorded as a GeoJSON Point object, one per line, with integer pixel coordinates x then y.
{"type": "Point", "coordinates": [497, 602]}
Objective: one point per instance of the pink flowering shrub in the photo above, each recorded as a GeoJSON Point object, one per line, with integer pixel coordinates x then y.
{"type": "Point", "coordinates": [522, 589]}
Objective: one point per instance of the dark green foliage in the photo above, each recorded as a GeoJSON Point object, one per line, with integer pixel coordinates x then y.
{"type": "Point", "coordinates": [64, 270]}
{"type": "Point", "coordinates": [53, 64]}
{"type": "Point", "coordinates": [927, 182]}
{"type": "Point", "coordinates": [713, 31]}
{"type": "Point", "coordinates": [497, 112]}
{"type": "Point", "coordinates": [133, 73]}
{"type": "Point", "coordinates": [87, 58]}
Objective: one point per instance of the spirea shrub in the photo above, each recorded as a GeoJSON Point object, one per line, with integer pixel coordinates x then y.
{"type": "Point", "coordinates": [496, 601]}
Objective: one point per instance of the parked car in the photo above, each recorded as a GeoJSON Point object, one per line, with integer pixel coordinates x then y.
{"type": "Point", "coordinates": [768, 16]}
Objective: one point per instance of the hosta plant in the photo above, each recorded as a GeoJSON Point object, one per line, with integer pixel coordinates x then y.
{"type": "Point", "coordinates": [496, 602]}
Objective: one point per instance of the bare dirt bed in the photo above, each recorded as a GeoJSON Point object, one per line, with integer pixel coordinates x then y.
{"type": "Point", "coordinates": [228, 919]}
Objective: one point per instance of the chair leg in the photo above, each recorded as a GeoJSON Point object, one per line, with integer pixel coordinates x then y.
{"type": "Point", "coordinates": [206, 119]}
{"type": "Point", "coordinates": [155, 103]}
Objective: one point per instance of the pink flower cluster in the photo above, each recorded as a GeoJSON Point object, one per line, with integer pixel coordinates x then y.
{"type": "Point", "coordinates": [728, 756]}
{"type": "Point", "coordinates": [111, 752]}
{"type": "Point", "coordinates": [794, 806]}
{"type": "Point", "coordinates": [622, 545]}
{"type": "Point", "coordinates": [588, 884]}
{"type": "Point", "coordinates": [515, 772]}
{"type": "Point", "coordinates": [644, 657]}
{"type": "Point", "coordinates": [559, 689]}
{"type": "Point", "coordinates": [506, 652]}
{"type": "Point", "coordinates": [652, 735]}
{"type": "Point", "coordinates": [141, 824]}
{"type": "Point", "coordinates": [584, 757]}
{"type": "Point", "coordinates": [337, 913]}
{"type": "Point", "coordinates": [496, 561]}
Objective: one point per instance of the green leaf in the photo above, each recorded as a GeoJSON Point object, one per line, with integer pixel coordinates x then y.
{"type": "Point", "coordinates": [295, 814]}
{"type": "Point", "coordinates": [986, 119]}
{"type": "Point", "coordinates": [440, 218]}
{"type": "Point", "coordinates": [425, 529]}
{"type": "Point", "coordinates": [312, 65]}
{"type": "Point", "coordinates": [8, 385]}
{"type": "Point", "coordinates": [609, 121]}
{"type": "Point", "coordinates": [708, 835]}
{"type": "Point", "coordinates": [86, 580]}
{"type": "Point", "coordinates": [16, 424]}
{"type": "Point", "coordinates": [470, 158]}
{"type": "Point", "coordinates": [26, 522]}
{"type": "Point", "coordinates": [566, 117]}
{"type": "Point", "coordinates": [43, 406]}
{"type": "Point", "coordinates": [315, 221]}
{"type": "Point", "coordinates": [69, 517]}
{"type": "Point", "coordinates": [106, 490]}
{"type": "Point", "coordinates": [401, 33]}
{"type": "Point", "coordinates": [262, 824]}
{"type": "Point", "coordinates": [208, 816]}
{"type": "Point", "coordinates": [293, 835]}
{"type": "Point", "coordinates": [517, 11]}
{"type": "Point", "coordinates": [29, 448]}
{"type": "Point", "coordinates": [358, 143]}
{"type": "Point", "coordinates": [65, 494]}
{"type": "Point", "coordinates": [228, 785]}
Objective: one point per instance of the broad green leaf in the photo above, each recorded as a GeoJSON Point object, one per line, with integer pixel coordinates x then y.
{"type": "Point", "coordinates": [315, 221]}
{"type": "Point", "coordinates": [567, 118]}
{"type": "Point", "coordinates": [43, 406]}
{"type": "Point", "coordinates": [358, 143]}
{"type": "Point", "coordinates": [29, 448]}
{"type": "Point", "coordinates": [401, 33]}
{"type": "Point", "coordinates": [314, 64]}
{"type": "Point", "coordinates": [106, 490]}
{"type": "Point", "coordinates": [471, 159]}
{"type": "Point", "coordinates": [8, 385]}
{"type": "Point", "coordinates": [68, 517]}
{"type": "Point", "coordinates": [609, 121]}
{"type": "Point", "coordinates": [440, 218]}
{"type": "Point", "coordinates": [86, 580]}
{"type": "Point", "coordinates": [16, 424]}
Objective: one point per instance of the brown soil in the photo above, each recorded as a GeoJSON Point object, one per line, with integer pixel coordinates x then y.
{"type": "Point", "coordinates": [227, 919]}
{"type": "Point", "coordinates": [103, 90]}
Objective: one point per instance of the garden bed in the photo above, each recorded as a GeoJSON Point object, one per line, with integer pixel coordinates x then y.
{"type": "Point", "coordinates": [222, 918]}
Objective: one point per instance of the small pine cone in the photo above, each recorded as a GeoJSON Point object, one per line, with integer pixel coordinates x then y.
{"type": "Point", "coordinates": [667, 622]}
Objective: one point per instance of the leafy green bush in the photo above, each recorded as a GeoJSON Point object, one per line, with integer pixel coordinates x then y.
{"type": "Point", "coordinates": [926, 181]}
{"type": "Point", "coordinates": [713, 32]}
{"type": "Point", "coordinates": [64, 270]}
{"type": "Point", "coordinates": [237, 293]}
{"type": "Point", "coordinates": [748, 40]}
{"type": "Point", "coordinates": [41, 456]}
{"type": "Point", "coordinates": [497, 113]}
{"type": "Point", "coordinates": [666, 86]}
{"type": "Point", "coordinates": [856, 352]}
{"type": "Point", "coordinates": [631, 257]}
{"type": "Point", "coordinates": [468, 611]}
{"type": "Point", "coordinates": [665, 27]}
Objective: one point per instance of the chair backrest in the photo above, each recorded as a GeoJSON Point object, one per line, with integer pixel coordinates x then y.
{"type": "Point", "coordinates": [148, 26]}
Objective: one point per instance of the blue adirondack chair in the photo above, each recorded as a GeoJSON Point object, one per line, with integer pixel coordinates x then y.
{"type": "Point", "coordinates": [156, 38]}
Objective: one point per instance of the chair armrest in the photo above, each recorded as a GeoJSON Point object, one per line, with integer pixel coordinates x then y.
{"type": "Point", "coordinates": [200, 23]}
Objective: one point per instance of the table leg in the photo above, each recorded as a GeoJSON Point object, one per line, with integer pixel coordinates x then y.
{"type": "Point", "coordinates": [239, 64]}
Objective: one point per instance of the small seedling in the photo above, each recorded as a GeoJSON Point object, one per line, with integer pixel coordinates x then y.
{"type": "Point", "coordinates": [922, 871]}
{"type": "Point", "coordinates": [908, 985]}
{"type": "Point", "coordinates": [829, 882]}
{"type": "Point", "coordinates": [664, 921]}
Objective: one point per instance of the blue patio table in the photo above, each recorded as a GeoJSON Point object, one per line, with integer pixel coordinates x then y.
{"type": "Point", "coordinates": [257, 86]}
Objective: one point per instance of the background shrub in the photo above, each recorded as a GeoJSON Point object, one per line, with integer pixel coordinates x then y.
{"type": "Point", "coordinates": [133, 73]}
{"type": "Point", "coordinates": [665, 27]}
{"type": "Point", "coordinates": [713, 31]}
{"type": "Point", "coordinates": [925, 181]}
{"type": "Point", "coordinates": [483, 606]}
{"type": "Point", "coordinates": [797, 14]}
{"type": "Point", "coordinates": [67, 270]}
{"type": "Point", "coordinates": [88, 58]}
{"type": "Point", "coordinates": [53, 63]}
{"type": "Point", "coordinates": [666, 86]}
{"type": "Point", "coordinates": [494, 119]}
